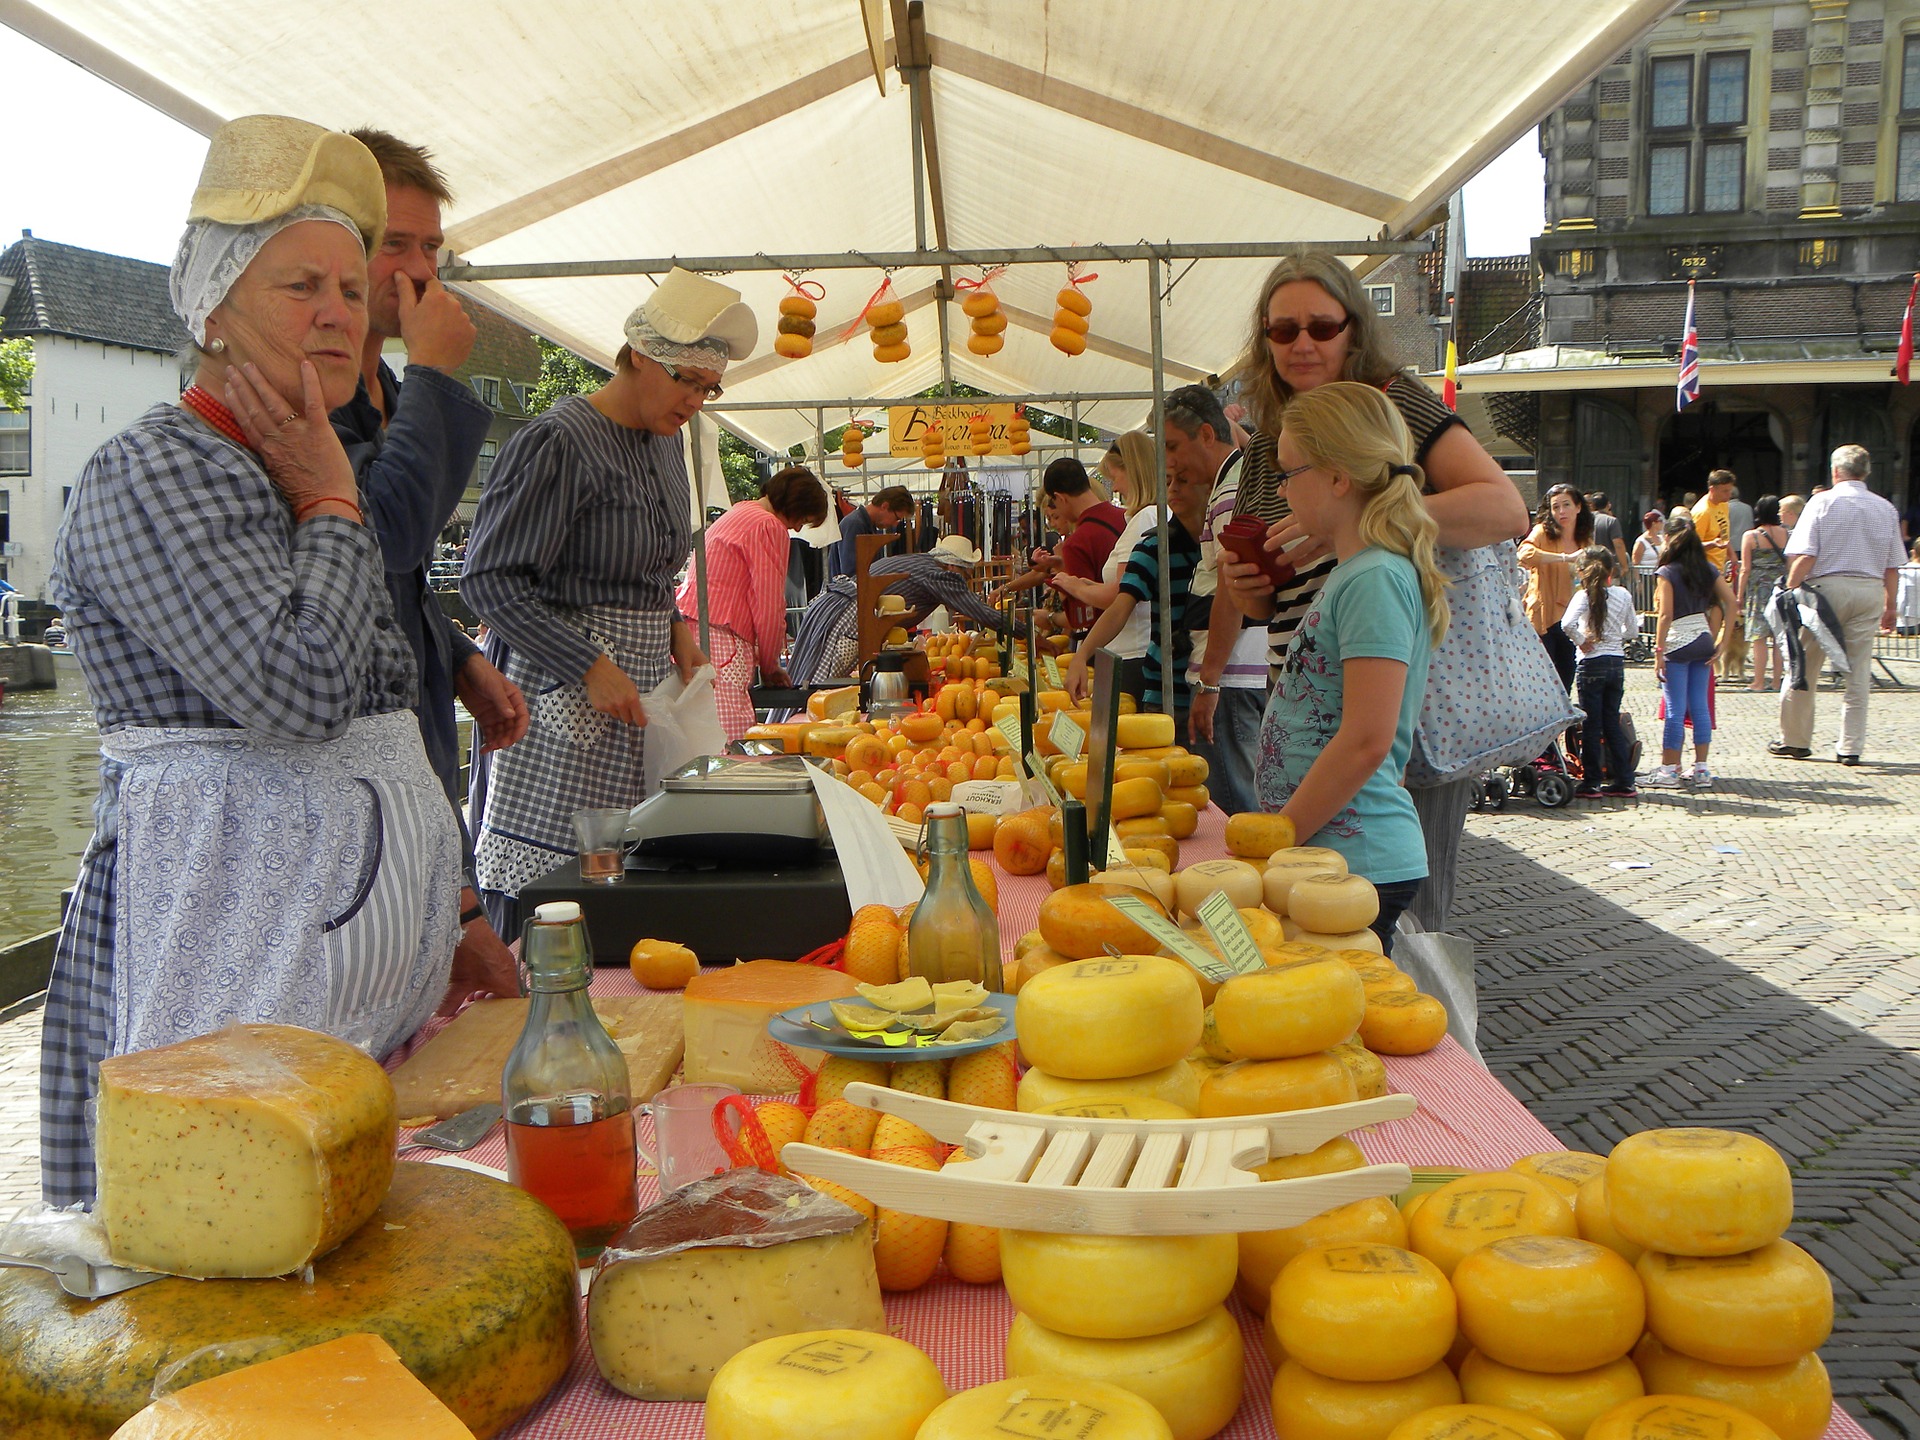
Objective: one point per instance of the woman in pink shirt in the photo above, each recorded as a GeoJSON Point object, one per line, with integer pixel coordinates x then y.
{"type": "Point", "coordinates": [747, 589]}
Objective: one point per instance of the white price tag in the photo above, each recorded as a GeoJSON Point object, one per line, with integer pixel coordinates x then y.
{"type": "Point", "coordinates": [1039, 769]}
{"type": "Point", "coordinates": [1230, 933]}
{"type": "Point", "coordinates": [1051, 669]}
{"type": "Point", "coordinates": [1009, 726]}
{"type": "Point", "coordinates": [1066, 734]}
{"type": "Point", "coordinates": [1171, 937]}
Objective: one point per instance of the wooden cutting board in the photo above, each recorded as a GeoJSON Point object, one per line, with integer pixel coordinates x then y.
{"type": "Point", "coordinates": [460, 1067]}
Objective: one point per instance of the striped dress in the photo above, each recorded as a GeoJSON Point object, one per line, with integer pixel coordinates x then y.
{"type": "Point", "coordinates": [746, 605]}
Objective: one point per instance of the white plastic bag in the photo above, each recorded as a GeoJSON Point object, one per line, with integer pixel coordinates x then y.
{"type": "Point", "coordinates": [683, 723]}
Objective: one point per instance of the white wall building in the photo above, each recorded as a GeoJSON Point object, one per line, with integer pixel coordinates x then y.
{"type": "Point", "coordinates": [105, 348]}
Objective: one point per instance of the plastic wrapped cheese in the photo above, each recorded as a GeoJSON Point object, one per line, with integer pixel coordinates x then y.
{"type": "Point", "coordinates": [726, 1014]}
{"type": "Point", "coordinates": [248, 1152]}
{"type": "Point", "coordinates": [722, 1264]}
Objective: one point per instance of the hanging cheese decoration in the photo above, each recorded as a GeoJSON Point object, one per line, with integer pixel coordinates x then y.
{"type": "Point", "coordinates": [851, 440]}
{"type": "Point", "coordinates": [886, 322]}
{"type": "Point", "coordinates": [1019, 432]}
{"type": "Point", "coordinates": [933, 446]}
{"type": "Point", "coordinates": [795, 337]}
{"type": "Point", "coordinates": [1069, 335]}
{"type": "Point", "coordinates": [983, 311]}
{"type": "Point", "coordinates": [980, 433]}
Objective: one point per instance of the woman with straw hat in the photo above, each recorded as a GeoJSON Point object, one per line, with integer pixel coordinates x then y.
{"type": "Point", "coordinates": [270, 841]}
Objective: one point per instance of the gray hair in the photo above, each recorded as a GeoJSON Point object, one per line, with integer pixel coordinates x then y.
{"type": "Point", "coordinates": [1194, 407]}
{"type": "Point", "coordinates": [1853, 460]}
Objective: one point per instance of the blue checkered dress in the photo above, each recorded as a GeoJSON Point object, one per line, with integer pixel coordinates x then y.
{"type": "Point", "coordinates": [192, 600]}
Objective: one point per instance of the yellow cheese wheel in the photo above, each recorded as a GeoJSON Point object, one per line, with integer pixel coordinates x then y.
{"type": "Point", "coordinates": [1569, 1403]}
{"type": "Point", "coordinates": [1143, 731]}
{"type": "Point", "coordinates": [1255, 834]}
{"type": "Point", "coordinates": [1478, 1209]}
{"type": "Point", "coordinates": [1259, 1086]}
{"type": "Point", "coordinates": [1184, 769]}
{"type": "Point", "coordinates": [1565, 1170]}
{"type": "Point", "coordinates": [1403, 1024]}
{"type": "Point", "coordinates": [1289, 866]}
{"type": "Point", "coordinates": [1137, 797]}
{"type": "Point", "coordinates": [1307, 1406]}
{"type": "Point", "coordinates": [1364, 1312]}
{"type": "Point", "coordinates": [1694, 1191]}
{"type": "Point", "coordinates": [1677, 1417]}
{"type": "Point", "coordinates": [1116, 1287]}
{"type": "Point", "coordinates": [1182, 818]}
{"type": "Point", "coordinates": [1192, 1376]}
{"type": "Point", "coordinates": [1077, 921]}
{"type": "Point", "coordinates": [1044, 1405]}
{"type": "Point", "coordinates": [1766, 1307]}
{"type": "Point", "coordinates": [1369, 1071]}
{"type": "Point", "coordinates": [1473, 1422]}
{"type": "Point", "coordinates": [1337, 1154]}
{"type": "Point", "coordinates": [1238, 880]}
{"type": "Point", "coordinates": [1109, 1018]}
{"type": "Point", "coordinates": [1794, 1400]}
{"type": "Point", "coordinates": [1548, 1303]}
{"type": "Point", "coordinates": [1375, 1220]}
{"type": "Point", "coordinates": [472, 1281]}
{"type": "Point", "coordinates": [1140, 826]}
{"type": "Point", "coordinates": [1178, 1084]}
{"type": "Point", "coordinates": [1286, 1011]}
{"type": "Point", "coordinates": [1352, 940]}
{"type": "Point", "coordinates": [826, 1385]}
{"type": "Point", "coordinates": [1333, 904]}
{"type": "Point", "coordinates": [1197, 796]}
{"type": "Point", "coordinates": [1595, 1220]}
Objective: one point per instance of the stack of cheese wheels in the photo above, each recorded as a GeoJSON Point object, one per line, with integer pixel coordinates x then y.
{"type": "Point", "coordinates": [1280, 1026]}
{"type": "Point", "coordinates": [1145, 751]}
{"type": "Point", "coordinates": [1093, 1029]}
{"type": "Point", "coordinates": [1734, 1312]}
{"type": "Point", "coordinates": [1364, 1331]}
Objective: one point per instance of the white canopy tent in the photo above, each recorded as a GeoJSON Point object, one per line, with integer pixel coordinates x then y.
{"type": "Point", "coordinates": [590, 131]}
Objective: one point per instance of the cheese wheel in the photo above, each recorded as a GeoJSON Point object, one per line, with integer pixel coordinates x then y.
{"type": "Point", "coordinates": [1677, 1417]}
{"type": "Point", "coordinates": [1766, 1307]}
{"type": "Point", "coordinates": [1369, 1071]}
{"type": "Point", "coordinates": [1693, 1191]}
{"type": "Point", "coordinates": [1044, 1405]}
{"type": "Point", "coordinates": [1352, 940]}
{"type": "Point", "coordinates": [1473, 1422]}
{"type": "Point", "coordinates": [1565, 1170]}
{"type": "Point", "coordinates": [1794, 1400]}
{"type": "Point", "coordinates": [308, 1119]}
{"type": "Point", "coordinates": [1595, 1220]}
{"type": "Point", "coordinates": [1178, 1084]}
{"type": "Point", "coordinates": [1403, 1024]}
{"type": "Point", "coordinates": [826, 1385]}
{"type": "Point", "coordinates": [1548, 1303]}
{"type": "Point", "coordinates": [1184, 769]}
{"type": "Point", "coordinates": [1288, 867]}
{"type": "Point", "coordinates": [1182, 818]}
{"type": "Point", "coordinates": [1140, 827]}
{"type": "Point", "coordinates": [1478, 1209]}
{"type": "Point", "coordinates": [1364, 1312]}
{"type": "Point", "coordinates": [1197, 796]}
{"type": "Point", "coordinates": [1260, 1086]}
{"type": "Point", "coordinates": [1255, 834]}
{"type": "Point", "coordinates": [472, 1281]}
{"type": "Point", "coordinates": [1143, 731]}
{"type": "Point", "coordinates": [1116, 1287]}
{"type": "Point", "coordinates": [1238, 880]}
{"type": "Point", "coordinates": [1193, 1376]}
{"type": "Point", "coordinates": [1307, 1406]}
{"type": "Point", "coordinates": [1077, 921]}
{"type": "Point", "coordinates": [1136, 797]}
{"type": "Point", "coordinates": [1109, 1018]}
{"type": "Point", "coordinates": [1337, 1154]}
{"type": "Point", "coordinates": [1375, 1220]}
{"type": "Point", "coordinates": [1286, 1011]}
{"type": "Point", "coordinates": [1569, 1403]}
{"type": "Point", "coordinates": [1333, 904]}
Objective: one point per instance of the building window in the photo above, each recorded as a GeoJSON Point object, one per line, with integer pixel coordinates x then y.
{"type": "Point", "coordinates": [1906, 179]}
{"type": "Point", "coordinates": [16, 437]}
{"type": "Point", "coordinates": [1910, 74]}
{"type": "Point", "coordinates": [483, 467]}
{"type": "Point", "coordinates": [1727, 89]}
{"type": "Point", "coordinates": [1672, 92]}
{"type": "Point", "coordinates": [1723, 176]}
{"type": "Point", "coordinates": [488, 389]}
{"type": "Point", "coordinates": [1382, 298]}
{"type": "Point", "coordinates": [1667, 179]}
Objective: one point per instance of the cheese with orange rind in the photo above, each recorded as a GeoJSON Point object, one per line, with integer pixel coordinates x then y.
{"type": "Point", "coordinates": [1549, 1304]}
{"type": "Point", "coordinates": [1698, 1191]}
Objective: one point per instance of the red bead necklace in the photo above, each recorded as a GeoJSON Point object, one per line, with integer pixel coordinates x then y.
{"type": "Point", "coordinates": [214, 413]}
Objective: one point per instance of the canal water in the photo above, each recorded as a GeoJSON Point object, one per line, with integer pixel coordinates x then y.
{"type": "Point", "coordinates": [49, 774]}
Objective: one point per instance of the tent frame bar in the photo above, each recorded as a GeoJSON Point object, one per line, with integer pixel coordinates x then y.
{"type": "Point", "coordinates": [722, 407]}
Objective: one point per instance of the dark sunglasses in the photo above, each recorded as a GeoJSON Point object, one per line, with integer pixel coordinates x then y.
{"type": "Point", "coordinates": [1285, 332]}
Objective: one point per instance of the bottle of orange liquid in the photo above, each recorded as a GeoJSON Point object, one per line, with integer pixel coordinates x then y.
{"type": "Point", "coordinates": [570, 1140]}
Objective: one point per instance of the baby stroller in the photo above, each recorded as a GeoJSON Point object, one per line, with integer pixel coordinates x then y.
{"type": "Point", "coordinates": [1549, 778]}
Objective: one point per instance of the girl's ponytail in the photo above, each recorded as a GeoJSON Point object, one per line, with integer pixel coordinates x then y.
{"type": "Point", "coordinates": [1596, 574]}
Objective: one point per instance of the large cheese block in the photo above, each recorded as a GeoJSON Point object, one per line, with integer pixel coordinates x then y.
{"type": "Point", "coordinates": [353, 1388]}
{"type": "Point", "coordinates": [726, 1012]}
{"type": "Point", "coordinates": [247, 1152]}
{"type": "Point", "coordinates": [472, 1281]}
{"type": "Point", "coordinates": [722, 1264]}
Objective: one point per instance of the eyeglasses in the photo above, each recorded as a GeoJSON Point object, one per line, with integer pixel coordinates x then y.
{"type": "Point", "coordinates": [698, 387]}
{"type": "Point", "coordinates": [1286, 475]}
{"type": "Point", "coordinates": [1285, 332]}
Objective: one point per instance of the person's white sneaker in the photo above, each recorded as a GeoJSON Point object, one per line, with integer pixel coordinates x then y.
{"type": "Point", "coordinates": [1662, 777]}
{"type": "Point", "coordinates": [1702, 778]}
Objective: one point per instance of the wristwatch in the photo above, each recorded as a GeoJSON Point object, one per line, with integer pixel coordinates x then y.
{"type": "Point", "coordinates": [1201, 687]}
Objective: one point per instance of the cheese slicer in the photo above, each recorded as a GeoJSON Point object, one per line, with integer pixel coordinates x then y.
{"type": "Point", "coordinates": [82, 1278]}
{"type": "Point", "coordinates": [462, 1132]}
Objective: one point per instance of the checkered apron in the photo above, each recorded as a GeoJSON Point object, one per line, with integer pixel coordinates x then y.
{"type": "Point", "coordinates": [734, 666]}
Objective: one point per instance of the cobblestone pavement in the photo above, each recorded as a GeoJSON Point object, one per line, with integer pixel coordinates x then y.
{"type": "Point", "coordinates": [1760, 973]}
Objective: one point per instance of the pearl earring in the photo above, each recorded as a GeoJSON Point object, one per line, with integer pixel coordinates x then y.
{"type": "Point", "coordinates": [216, 346]}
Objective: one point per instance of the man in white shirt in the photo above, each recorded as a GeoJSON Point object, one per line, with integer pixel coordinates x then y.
{"type": "Point", "coordinates": [1847, 547]}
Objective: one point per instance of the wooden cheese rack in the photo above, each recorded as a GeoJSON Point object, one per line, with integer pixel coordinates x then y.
{"type": "Point", "coordinates": [1071, 1174]}
{"type": "Point", "coordinates": [868, 588]}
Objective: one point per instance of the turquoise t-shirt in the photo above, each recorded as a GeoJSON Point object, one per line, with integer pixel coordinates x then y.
{"type": "Point", "coordinates": [1370, 608]}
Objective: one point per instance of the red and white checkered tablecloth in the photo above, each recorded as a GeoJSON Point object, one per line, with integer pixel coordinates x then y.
{"type": "Point", "coordinates": [1466, 1120]}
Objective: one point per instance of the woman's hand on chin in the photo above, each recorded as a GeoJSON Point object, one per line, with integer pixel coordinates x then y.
{"type": "Point", "coordinates": [302, 455]}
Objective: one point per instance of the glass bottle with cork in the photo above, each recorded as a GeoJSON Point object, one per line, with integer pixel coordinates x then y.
{"type": "Point", "coordinates": [953, 935]}
{"type": "Point", "coordinates": [570, 1140]}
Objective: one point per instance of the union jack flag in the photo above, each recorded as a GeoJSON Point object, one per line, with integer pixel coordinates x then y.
{"type": "Point", "coordinates": [1689, 387]}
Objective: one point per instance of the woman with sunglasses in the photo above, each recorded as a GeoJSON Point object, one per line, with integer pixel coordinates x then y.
{"type": "Point", "coordinates": [1313, 324]}
{"type": "Point", "coordinates": [584, 522]}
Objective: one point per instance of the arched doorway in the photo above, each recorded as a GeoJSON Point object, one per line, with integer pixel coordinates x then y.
{"type": "Point", "coordinates": [1721, 434]}
{"type": "Point", "coordinates": [1850, 418]}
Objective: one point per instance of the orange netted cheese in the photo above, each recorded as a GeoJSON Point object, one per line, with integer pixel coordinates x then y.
{"type": "Point", "coordinates": [1695, 1191]}
{"type": "Point", "coordinates": [472, 1281]}
{"type": "Point", "coordinates": [1794, 1400]}
{"type": "Point", "coordinates": [1569, 1403]}
{"type": "Point", "coordinates": [1548, 1303]}
{"type": "Point", "coordinates": [726, 1012]}
{"type": "Point", "coordinates": [247, 1152]}
{"type": "Point", "coordinates": [1364, 1312]}
{"type": "Point", "coordinates": [1766, 1307]}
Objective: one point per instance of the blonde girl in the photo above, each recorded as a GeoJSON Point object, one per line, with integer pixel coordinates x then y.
{"type": "Point", "coordinates": [1334, 746]}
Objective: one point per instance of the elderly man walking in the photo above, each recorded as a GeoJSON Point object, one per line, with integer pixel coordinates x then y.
{"type": "Point", "coordinates": [1846, 546]}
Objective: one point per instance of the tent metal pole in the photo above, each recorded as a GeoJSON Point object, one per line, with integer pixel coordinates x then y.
{"type": "Point", "coordinates": [700, 536]}
{"type": "Point", "coordinates": [820, 435]}
{"type": "Point", "coordinates": [1165, 566]}
{"type": "Point", "coordinates": [867, 402]}
{"type": "Point", "coordinates": [914, 77]}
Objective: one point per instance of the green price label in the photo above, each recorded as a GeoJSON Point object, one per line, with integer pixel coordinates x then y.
{"type": "Point", "coordinates": [1230, 933]}
{"type": "Point", "coordinates": [1039, 771]}
{"type": "Point", "coordinates": [1066, 734]}
{"type": "Point", "coordinates": [1051, 668]}
{"type": "Point", "coordinates": [1009, 726]}
{"type": "Point", "coordinates": [1171, 937]}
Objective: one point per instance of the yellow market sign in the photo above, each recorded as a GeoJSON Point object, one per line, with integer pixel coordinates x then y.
{"type": "Point", "coordinates": [907, 424]}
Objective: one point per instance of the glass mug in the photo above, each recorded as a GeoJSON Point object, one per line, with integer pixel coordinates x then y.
{"type": "Point", "coordinates": [601, 834]}
{"type": "Point", "coordinates": [685, 1146]}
